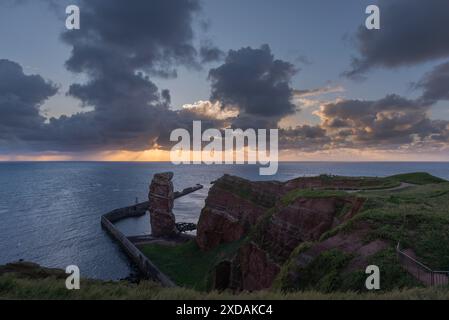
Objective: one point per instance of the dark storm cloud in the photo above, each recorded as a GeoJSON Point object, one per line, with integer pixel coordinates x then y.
{"type": "Point", "coordinates": [412, 31]}
{"type": "Point", "coordinates": [435, 84]}
{"type": "Point", "coordinates": [152, 36]}
{"type": "Point", "coordinates": [305, 138]}
{"type": "Point", "coordinates": [253, 81]}
{"type": "Point", "coordinates": [210, 53]}
{"type": "Point", "coordinates": [119, 47]}
{"type": "Point", "coordinates": [20, 98]}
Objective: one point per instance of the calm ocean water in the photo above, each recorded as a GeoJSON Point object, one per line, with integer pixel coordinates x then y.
{"type": "Point", "coordinates": [50, 212]}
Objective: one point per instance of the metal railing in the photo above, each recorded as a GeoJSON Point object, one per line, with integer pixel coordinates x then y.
{"type": "Point", "coordinates": [420, 271]}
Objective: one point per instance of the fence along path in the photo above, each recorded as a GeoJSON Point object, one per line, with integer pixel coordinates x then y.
{"type": "Point", "coordinates": [420, 271]}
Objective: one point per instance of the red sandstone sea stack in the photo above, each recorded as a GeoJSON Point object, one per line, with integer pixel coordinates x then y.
{"type": "Point", "coordinates": [161, 196]}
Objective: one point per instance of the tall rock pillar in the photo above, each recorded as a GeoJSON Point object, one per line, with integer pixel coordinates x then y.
{"type": "Point", "coordinates": [161, 198]}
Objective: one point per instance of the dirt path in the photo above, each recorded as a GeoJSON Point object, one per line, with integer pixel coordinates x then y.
{"type": "Point", "coordinates": [403, 185]}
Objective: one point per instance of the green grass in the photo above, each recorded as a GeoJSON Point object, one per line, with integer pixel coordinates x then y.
{"type": "Point", "coordinates": [186, 264]}
{"type": "Point", "coordinates": [419, 178]}
{"type": "Point", "coordinates": [418, 217]}
{"type": "Point", "coordinates": [392, 274]}
{"type": "Point", "coordinates": [323, 273]}
{"type": "Point", "coordinates": [309, 193]}
{"type": "Point", "coordinates": [376, 183]}
{"type": "Point", "coordinates": [13, 286]}
{"type": "Point", "coordinates": [363, 183]}
{"type": "Point", "coordinates": [244, 189]}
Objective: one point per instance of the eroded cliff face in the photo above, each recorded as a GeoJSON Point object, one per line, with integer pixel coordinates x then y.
{"type": "Point", "coordinates": [233, 206]}
{"type": "Point", "coordinates": [238, 208]}
{"type": "Point", "coordinates": [256, 269]}
{"type": "Point", "coordinates": [302, 220]}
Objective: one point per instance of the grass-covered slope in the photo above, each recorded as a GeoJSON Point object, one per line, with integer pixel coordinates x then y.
{"type": "Point", "coordinates": [37, 283]}
{"type": "Point", "coordinates": [186, 264]}
{"type": "Point", "coordinates": [417, 217]}
{"type": "Point", "coordinates": [419, 178]}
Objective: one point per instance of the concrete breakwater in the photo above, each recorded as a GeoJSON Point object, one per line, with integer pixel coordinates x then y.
{"type": "Point", "coordinates": [146, 267]}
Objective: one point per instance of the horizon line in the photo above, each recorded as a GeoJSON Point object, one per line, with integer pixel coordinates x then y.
{"type": "Point", "coordinates": [280, 161]}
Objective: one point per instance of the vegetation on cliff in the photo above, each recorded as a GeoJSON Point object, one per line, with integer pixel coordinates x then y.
{"type": "Point", "coordinates": [186, 264]}
{"type": "Point", "coordinates": [26, 281]}
{"type": "Point", "coordinates": [363, 227]}
{"type": "Point", "coordinates": [417, 217]}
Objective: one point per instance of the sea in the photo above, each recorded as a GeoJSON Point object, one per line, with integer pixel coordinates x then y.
{"type": "Point", "coordinates": [50, 211]}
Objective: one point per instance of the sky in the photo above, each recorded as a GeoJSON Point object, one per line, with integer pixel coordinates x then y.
{"type": "Point", "coordinates": [116, 88]}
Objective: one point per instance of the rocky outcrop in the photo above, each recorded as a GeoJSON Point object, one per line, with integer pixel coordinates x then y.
{"type": "Point", "coordinates": [232, 207]}
{"type": "Point", "coordinates": [237, 208]}
{"type": "Point", "coordinates": [257, 269]}
{"type": "Point", "coordinates": [273, 240]}
{"type": "Point", "coordinates": [301, 221]}
{"type": "Point", "coordinates": [161, 197]}
{"type": "Point", "coordinates": [304, 220]}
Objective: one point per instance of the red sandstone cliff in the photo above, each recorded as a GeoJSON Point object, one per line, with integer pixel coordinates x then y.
{"type": "Point", "coordinates": [237, 208]}
{"type": "Point", "coordinates": [233, 206]}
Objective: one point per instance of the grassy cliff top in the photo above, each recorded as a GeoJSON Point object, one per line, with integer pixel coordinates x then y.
{"type": "Point", "coordinates": [419, 178]}
{"type": "Point", "coordinates": [337, 185]}
{"type": "Point", "coordinates": [368, 183]}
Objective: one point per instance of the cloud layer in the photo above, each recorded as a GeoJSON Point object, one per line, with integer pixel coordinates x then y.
{"type": "Point", "coordinates": [410, 33]}
{"type": "Point", "coordinates": [435, 84]}
{"type": "Point", "coordinates": [255, 83]}
{"type": "Point", "coordinates": [20, 98]}
{"type": "Point", "coordinates": [121, 49]}
{"type": "Point", "coordinates": [390, 123]}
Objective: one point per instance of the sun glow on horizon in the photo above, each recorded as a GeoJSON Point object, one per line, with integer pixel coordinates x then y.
{"type": "Point", "coordinates": [159, 155]}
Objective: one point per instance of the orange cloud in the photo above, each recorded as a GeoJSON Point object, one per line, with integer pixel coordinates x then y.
{"type": "Point", "coordinates": [154, 155]}
{"type": "Point", "coordinates": [157, 155]}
